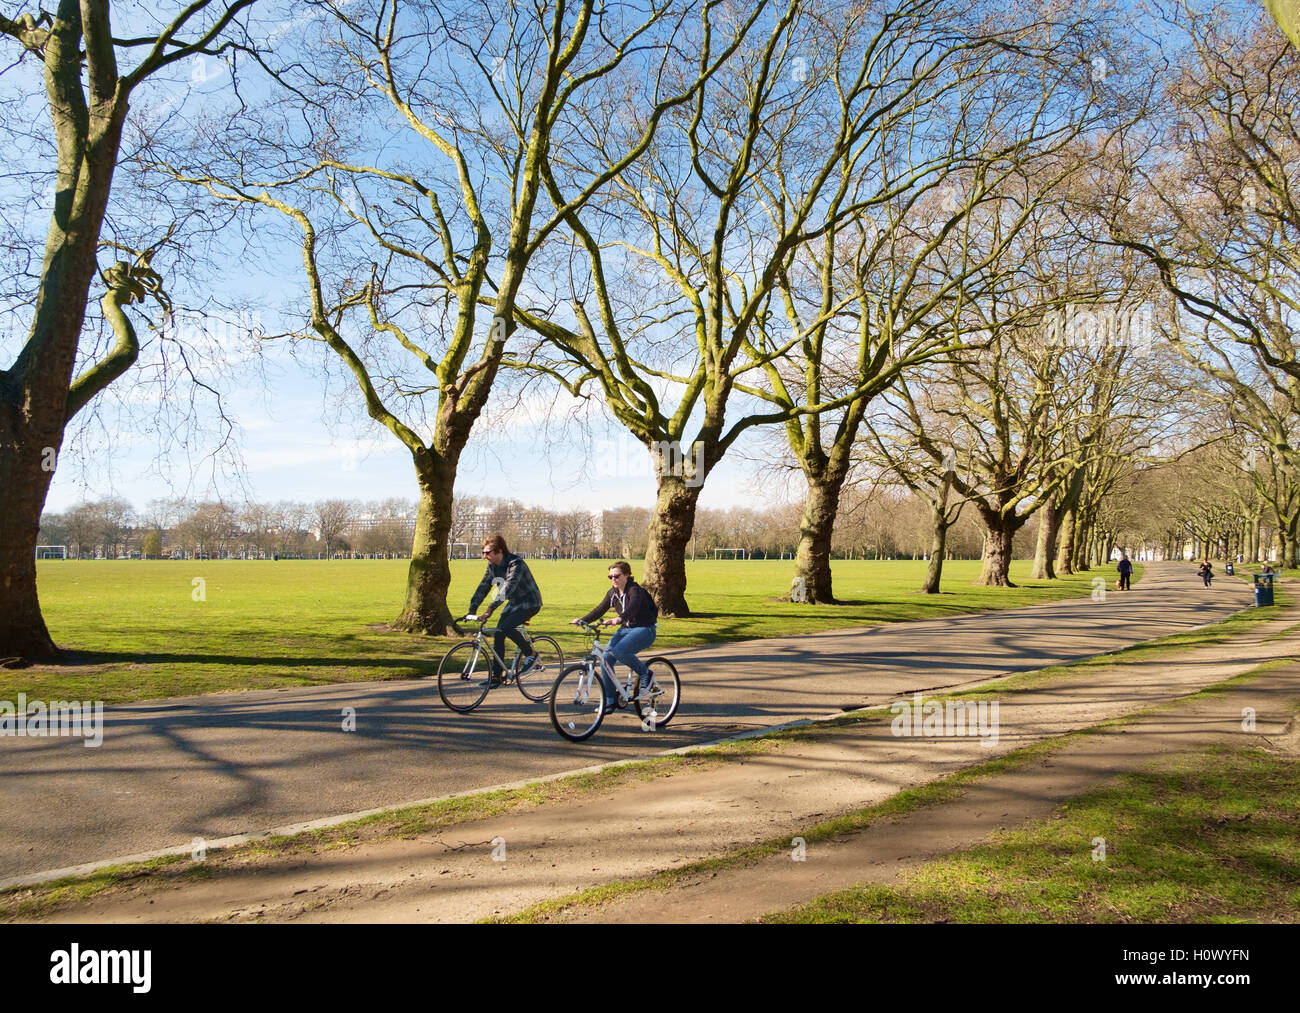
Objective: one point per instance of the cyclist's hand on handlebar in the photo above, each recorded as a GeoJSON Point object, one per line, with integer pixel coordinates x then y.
{"type": "Point", "coordinates": [575, 622]}
{"type": "Point", "coordinates": [610, 622]}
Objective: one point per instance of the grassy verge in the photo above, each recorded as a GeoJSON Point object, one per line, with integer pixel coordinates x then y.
{"type": "Point", "coordinates": [1210, 837]}
{"type": "Point", "coordinates": [948, 789]}
{"type": "Point", "coordinates": [137, 629]}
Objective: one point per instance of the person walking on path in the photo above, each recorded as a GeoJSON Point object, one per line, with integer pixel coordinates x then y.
{"type": "Point", "coordinates": [1207, 572]}
{"type": "Point", "coordinates": [518, 588]}
{"type": "Point", "coordinates": [1125, 568]}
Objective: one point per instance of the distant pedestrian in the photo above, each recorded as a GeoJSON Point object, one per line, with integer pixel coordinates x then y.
{"type": "Point", "coordinates": [1267, 569]}
{"type": "Point", "coordinates": [1207, 572]}
{"type": "Point", "coordinates": [1125, 568]}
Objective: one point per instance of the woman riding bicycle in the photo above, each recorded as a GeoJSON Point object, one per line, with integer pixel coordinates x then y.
{"type": "Point", "coordinates": [637, 620]}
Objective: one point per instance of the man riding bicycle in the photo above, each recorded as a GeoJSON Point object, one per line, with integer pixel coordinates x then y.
{"type": "Point", "coordinates": [511, 573]}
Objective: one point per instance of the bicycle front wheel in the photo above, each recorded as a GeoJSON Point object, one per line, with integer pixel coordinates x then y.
{"type": "Point", "coordinates": [657, 708]}
{"type": "Point", "coordinates": [578, 702]}
{"type": "Point", "coordinates": [463, 677]}
{"type": "Point", "coordinates": [536, 681]}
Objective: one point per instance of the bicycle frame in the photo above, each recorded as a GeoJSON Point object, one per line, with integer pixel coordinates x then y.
{"type": "Point", "coordinates": [600, 654]}
{"type": "Point", "coordinates": [481, 644]}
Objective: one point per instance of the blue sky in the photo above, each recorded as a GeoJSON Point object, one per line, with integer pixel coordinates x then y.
{"type": "Point", "coordinates": [303, 436]}
{"type": "Point", "coordinates": [291, 448]}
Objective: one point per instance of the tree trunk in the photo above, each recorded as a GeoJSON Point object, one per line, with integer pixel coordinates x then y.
{"type": "Point", "coordinates": [428, 578]}
{"type": "Point", "coordinates": [665, 554]}
{"type": "Point", "coordinates": [998, 535]}
{"type": "Point", "coordinates": [1082, 538]}
{"type": "Point", "coordinates": [1065, 542]}
{"type": "Point", "coordinates": [23, 487]}
{"type": "Point", "coordinates": [813, 557]}
{"type": "Point", "coordinates": [1288, 531]}
{"type": "Point", "coordinates": [37, 393]}
{"type": "Point", "coordinates": [1048, 526]}
{"type": "Point", "coordinates": [938, 546]}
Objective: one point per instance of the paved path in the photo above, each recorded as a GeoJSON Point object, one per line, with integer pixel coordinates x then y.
{"type": "Point", "coordinates": [212, 766]}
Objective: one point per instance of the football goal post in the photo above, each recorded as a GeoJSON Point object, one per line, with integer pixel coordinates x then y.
{"type": "Point", "coordinates": [735, 554]}
{"type": "Point", "coordinates": [456, 545]}
{"type": "Point", "coordinates": [51, 552]}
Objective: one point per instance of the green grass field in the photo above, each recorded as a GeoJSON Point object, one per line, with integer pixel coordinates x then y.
{"type": "Point", "coordinates": [1202, 838]}
{"type": "Point", "coordinates": [133, 629]}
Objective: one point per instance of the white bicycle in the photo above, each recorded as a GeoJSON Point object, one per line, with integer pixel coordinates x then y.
{"type": "Point", "coordinates": [579, 703]}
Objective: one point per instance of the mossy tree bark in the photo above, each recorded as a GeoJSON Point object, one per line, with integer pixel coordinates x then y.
{"type": "Point", "coordinates": [1045, 550]}
{"type": "Point", "coordinates": [816, 528]}
{"type": "Point", "coordinates": [940, 521]}
{"type": "Point", "coordinates": [670, 534]}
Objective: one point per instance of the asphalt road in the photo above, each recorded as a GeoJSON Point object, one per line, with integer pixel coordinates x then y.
{"type": "Point", "coordinates": [212, 766]}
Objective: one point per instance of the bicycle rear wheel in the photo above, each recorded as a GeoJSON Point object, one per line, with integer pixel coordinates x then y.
{"type": "Point", "coordinates": [665, 693]}
{"type": "Point", "coordinates": [578, 702]}
{"type": "Point", "coordinates": [537, 681]}
{"type": "Point", "coordinates": [464, 677]}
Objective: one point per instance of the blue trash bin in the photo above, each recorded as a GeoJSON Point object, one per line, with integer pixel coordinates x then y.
{"type": "Point", "coordinates": [1263, 589]}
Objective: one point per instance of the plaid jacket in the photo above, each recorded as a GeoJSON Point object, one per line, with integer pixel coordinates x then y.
{"type": "Point", "coordinates": [519, 588]}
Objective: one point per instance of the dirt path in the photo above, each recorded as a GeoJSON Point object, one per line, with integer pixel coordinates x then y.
{"type": "Point", "coordinates": [499, 866]}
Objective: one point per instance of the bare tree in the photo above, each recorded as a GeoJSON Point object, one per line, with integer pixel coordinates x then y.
{"type": "Point", "coordinates": [1210, 198]}
{"type": "Point", "coordinates": [208, 529]}
{"type": "Point", "coordinates": [792, 145]}
{"type": "Point", "coordinates": [88, 92]}
{"type": "Point", "coordinates": [332, 517]}
{"type": "Point", "coordinates": [413, 271]}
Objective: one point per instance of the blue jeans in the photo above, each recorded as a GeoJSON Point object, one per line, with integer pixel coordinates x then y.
{"type": "Point", "coordinates": [623, 648]}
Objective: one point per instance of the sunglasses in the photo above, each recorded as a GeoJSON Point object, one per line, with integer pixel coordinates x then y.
{"type": "Point", "coordinates": [615, 576]}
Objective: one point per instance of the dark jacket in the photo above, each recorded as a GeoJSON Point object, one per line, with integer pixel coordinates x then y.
{"type": "Point", "coordinates": [634, 606]}
{"type": "Point", "coordinates": [1125, 566]}
{"type": "Point", "coordinates": [519, 588]}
